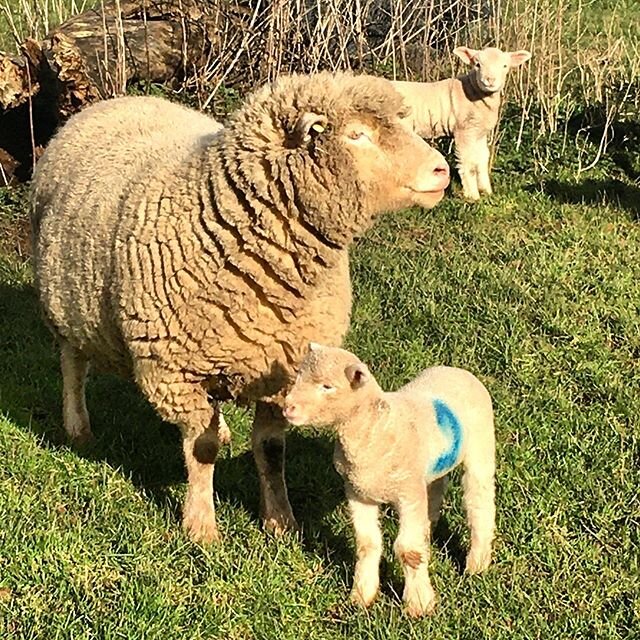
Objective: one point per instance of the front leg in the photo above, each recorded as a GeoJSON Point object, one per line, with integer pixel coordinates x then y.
{"type": "Point", "coordinates": [412, 550]}
{"type": "Point", "coordinates": [185, 404]}
{"type": "Point", "coordinates": [267, 441]}
{"type": "Point", "coordinates": [366, 581]}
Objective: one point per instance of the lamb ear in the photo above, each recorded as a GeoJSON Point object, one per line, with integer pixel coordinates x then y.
{"type": "Point", "coordinates": [516, 58]}
{"type": "Point", "coordinates": [357, 375]}
{"type": "Point", "coordinates": [465, 54]}
{"type": "Point", "coordinates": [309, 125]}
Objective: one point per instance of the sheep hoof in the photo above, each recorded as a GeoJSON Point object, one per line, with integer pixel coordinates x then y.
{"type": "Point", "coordinates": [279, 525]}
{"type": "Point", "coordinates": [82, 440]}
{"type": "Point", "coordinates": [201, 530]}
{"type": "Point", "coordinates": [477, 562]}
{"type": "Point", "coordinates": [420, 602]}
{"type": "Point", "coordinates": [362, 597]}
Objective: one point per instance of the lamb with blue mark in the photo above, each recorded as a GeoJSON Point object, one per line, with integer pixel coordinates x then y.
{"type": "Point", "coordinates": [397, 448]}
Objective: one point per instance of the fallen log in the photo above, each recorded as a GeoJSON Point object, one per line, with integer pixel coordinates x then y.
{"type": "Point", "coordinates": [90, 57]}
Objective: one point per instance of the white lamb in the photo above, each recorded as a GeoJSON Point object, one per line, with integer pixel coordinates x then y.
{"type": "Point", "coordinates": [398, 448]}
{"type": "Point", "coordinates": [466, 108]}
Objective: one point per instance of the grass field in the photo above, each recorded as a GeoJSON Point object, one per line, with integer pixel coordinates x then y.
{"type": "Point", "coordinates": [536, 289]}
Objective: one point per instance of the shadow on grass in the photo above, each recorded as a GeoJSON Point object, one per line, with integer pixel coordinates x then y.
{"type": "Point", "coordinates": [624, 195]}
{"type": "Point", "coordinates": [129, 435]}
{"type": "Point", "coordinates": [131, 438]}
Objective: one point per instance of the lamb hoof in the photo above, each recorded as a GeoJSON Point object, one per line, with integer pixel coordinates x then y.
{"type": "Point", "coordinates": [478, 562]}
{"type": "Point", "coordinates": [201, 530]}
{"type": "Point", "coordinates": [363, 597]}
{"type": "Point", "coordinates": [421, 603]}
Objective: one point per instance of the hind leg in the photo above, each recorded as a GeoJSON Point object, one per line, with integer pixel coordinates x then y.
{"type": "Point", "coordinates": [74, 408]}
{"type": "Point", "coordinates": [483, 159]}
{"type": "Point", "coordinates": [268, 451]}
{"type": "Point", "coordinates": [436, 493]}
{"type": "Point", "coordinates": [479, 502]}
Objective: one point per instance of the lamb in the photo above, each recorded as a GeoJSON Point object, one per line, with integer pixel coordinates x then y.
{"type": "Point", "coordinates": [398, 448]}
{"type": "Point", "coordinates": [200, 260]}
{"type": "Point", "coordinates": [466, 108]}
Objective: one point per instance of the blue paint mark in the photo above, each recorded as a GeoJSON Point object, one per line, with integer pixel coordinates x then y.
{"type": "Point", "coordinates": [450, 426]}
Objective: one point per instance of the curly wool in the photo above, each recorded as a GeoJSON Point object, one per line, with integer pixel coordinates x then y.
{"type": "Point", "coordinates": [211, 253]}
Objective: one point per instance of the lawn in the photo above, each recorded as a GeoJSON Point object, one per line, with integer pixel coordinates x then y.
{"type": "Point", "coordinates": [536, 290]}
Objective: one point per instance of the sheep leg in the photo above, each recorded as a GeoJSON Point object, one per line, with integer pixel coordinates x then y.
{"type": "Point", "coordinates": [74, 408]}
{"type": "Point", "coordinates": [366, 581]}
{"type": "Point", "coordinates": [479, 503]}
{"type": "Point", "coordinates": [483, 158]}
{"type": "Point", "coordinates": [466, 150]}
{"type": "Point", "coordinates": [412, 550]}
{"type": "Point", "coordinates": [436, 491]}
{"type": "Point", "coordinates": [186, 405]}
{"type": "Point", "coordinates": [267, 441]}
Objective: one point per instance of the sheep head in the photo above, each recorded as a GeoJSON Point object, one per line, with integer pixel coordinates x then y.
{"type": "Point", "coordinates": [331, 385]}
{"type": "Point", "coordinates": [333, 148]}
{"type": "Point", "coordinates": [491, 65]}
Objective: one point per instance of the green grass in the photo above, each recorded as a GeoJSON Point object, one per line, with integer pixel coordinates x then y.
{"type": "Point", "coordinates": [536, 289]}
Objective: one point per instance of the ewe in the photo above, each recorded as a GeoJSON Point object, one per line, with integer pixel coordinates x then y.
{"type": "Point", "coordinates": [466, 108]}
{"type": "Point", "coordinates": [200, 261]}
{"type": "Point", "coordinates": [398, 448]}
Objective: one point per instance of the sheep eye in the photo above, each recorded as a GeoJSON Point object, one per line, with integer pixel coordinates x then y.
{"type": "Point", "coordinates": [327, 387]}
{"type": "Point", "coordinates": [505, 66]}
{"type": "Point", "coordinates": [357, 135]}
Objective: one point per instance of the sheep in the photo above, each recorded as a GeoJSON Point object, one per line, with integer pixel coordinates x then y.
{"type": "Point", "coordinates": [398, 448]}
{"type": "Point", "coordinates": [466, 108]}
{"type": "Point", "coordinates": [199, 260]}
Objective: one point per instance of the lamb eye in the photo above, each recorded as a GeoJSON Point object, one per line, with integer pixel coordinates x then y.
{"type": "Point", "coordinates": [357, 135]}
{"type": "Point", "coordinates": [327, 387]}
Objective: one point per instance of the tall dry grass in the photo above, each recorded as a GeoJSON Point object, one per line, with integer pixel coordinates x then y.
{"type": "Point", "coordinates": [585, 61]}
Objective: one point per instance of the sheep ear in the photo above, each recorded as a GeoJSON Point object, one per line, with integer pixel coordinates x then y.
{"type": "Point", "coordinates": [309, 125]}
{"type": "Point", "coordinates": [516, 58]}
{"type": "Point", "coordinates": [357, 375]}
{"type": "Point", "coordinates": [465, 54]}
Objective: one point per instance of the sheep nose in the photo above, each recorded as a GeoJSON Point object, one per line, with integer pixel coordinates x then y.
{"type": "Point", "coordinates": [442, 170]}
{"type": "Point", "coordinates": [289, 409]}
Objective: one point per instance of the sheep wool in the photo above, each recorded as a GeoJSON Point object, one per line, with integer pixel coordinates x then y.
{"type": "Point", "coordinates": [467, 108]}
{"type": "Point", "coordinates": [199, 260]}
{"type": "Point", "coordinates": [398, 448]}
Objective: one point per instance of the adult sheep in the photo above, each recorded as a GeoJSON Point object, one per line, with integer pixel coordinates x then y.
{"type": "Point", "coordinates": [200, 261]}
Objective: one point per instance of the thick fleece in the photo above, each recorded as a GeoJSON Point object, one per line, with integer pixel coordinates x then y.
{"type": "Point", "coordinates": [200, 260]}
{"type": "Point", "coordinates": [398, 448]}
{"type": "Point", "coordinates": [467, 108]}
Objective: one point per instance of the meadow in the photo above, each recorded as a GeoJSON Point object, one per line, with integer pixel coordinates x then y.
{"type": "Point", "coordinates": [536, 289]}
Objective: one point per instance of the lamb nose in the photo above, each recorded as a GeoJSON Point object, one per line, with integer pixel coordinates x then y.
{"type": "Point", "coordinates": [441, 170]}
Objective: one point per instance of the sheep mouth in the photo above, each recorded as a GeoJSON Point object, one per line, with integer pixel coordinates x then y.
{"type": "Point", "coordinates": [444, 183]}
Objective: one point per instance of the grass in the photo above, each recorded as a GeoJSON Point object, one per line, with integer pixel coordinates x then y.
{"type": "Point", "coordinates": [536, 289]}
